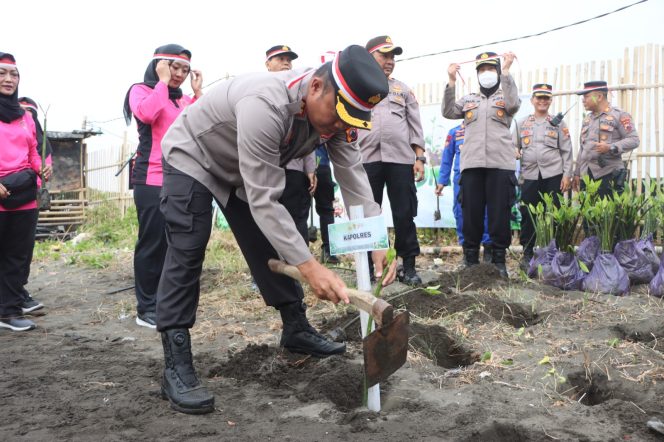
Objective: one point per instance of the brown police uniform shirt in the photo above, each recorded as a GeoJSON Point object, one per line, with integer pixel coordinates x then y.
{"type": "Point", "coordinates": [238, 137]}
{"type": "Point", "coordinates": [612, 126]}
{"type": "Point", "coordinates": [395, 127]}
{"type": "Point", "coordinates": [545, 149]}
{"type": "Point", "coordinates": [488, 140]}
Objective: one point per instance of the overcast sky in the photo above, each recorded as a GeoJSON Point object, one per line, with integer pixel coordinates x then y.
{"type": "Point", "coordinates": [81, 56]}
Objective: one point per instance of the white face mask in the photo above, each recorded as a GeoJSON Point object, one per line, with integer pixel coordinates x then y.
{"type": "Point", "coordinates": [488, 79]}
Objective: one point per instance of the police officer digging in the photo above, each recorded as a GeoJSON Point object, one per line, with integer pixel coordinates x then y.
{"type": "Point", "coordinates": [393, 155]}
{"type": "Point", "coordinates": [487, 158]}
{"type": "Point", "coordinates": [545, 151]}
{"type": "Point", "coordinates": [607, 132]}
{"type": "Point", "coordinates": [232, 145]}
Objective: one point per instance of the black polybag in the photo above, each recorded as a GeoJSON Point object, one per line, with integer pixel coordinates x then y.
{"type": "Point", "coordinates": [607, 276]}
{"type": "Point", "coordinates": [566, 274]}
{"type": "Point", "coordinates": [656, 285]}
{"type": "Point", "coordinates": [588, 250]}
{"type": "Point", "coordinates": [631, 257]}
{"type": "Point", "coordinates": [648, 247]}
{"type": "Point", "coordinates": [542, 256]}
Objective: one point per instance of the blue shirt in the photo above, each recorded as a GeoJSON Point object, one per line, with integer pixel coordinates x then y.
{"type": "Point", "coordinates": [322, 158]}
{"type": "Point", "coordinates": [451, 155]}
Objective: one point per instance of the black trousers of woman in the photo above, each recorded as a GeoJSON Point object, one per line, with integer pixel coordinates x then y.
{"type": "Point", "coordinates": [150, 248]}
{"type": "Point", "coordinates": [17, 230]}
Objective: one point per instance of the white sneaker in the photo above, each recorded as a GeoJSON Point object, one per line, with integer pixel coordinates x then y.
{"type": "Point", "coordinates": [147, 319]}
{"type": "Point", "coordinates": [17, 324]}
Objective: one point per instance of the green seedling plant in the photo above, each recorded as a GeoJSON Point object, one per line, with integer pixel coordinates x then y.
{"type": "Point", "coordinates": [552, 372]}
{"type": "Point", "coordinates": [433, 290]}
{"type": "Point", "coordinates": [566, 219]}
{"type": "Point", "coordinates": [602, 218]}
{"type": "Point", "coordinates": [542, 220]}
{"type": "Point", "coordinates": [587, 199]}
{"type": "Point", "coordinates": [630, 210]}
{"type": "Point", "coordinates": [651, 220]}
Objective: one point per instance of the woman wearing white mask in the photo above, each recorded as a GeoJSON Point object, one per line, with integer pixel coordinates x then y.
{"type": "Point", "coordinates": [487, 157]}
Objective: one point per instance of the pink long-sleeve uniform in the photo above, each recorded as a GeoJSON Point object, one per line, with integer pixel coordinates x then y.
{"type": "Point", "coordinates": [155, 113]}
{"type": "Point", "coordinates": [18, 151]}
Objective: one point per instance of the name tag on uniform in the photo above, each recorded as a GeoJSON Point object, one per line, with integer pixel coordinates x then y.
{"type": "Point", "coordinates": [358, 235]}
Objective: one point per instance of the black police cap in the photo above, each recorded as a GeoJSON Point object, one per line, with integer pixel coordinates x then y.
{"type": "Point", "coordinates": [542, 90]}
{"type": "Point", "coordinates": [383, 44]}
{"type": "Point", "coordinates": [360, 85]}
{"type": "Point", "coordinates": [590, 86]}
{"type": "Point", "coordinates": [278, 50]}
{"type": "Point", "coordinates": [490, 58]}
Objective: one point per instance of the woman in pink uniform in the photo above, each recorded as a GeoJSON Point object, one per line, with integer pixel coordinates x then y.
{"type": "Point", "coordinates": [155, 103]}
{"type": "Point", "coordinates": [20, 166]}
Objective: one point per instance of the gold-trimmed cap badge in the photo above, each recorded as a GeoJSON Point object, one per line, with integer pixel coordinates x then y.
{"type": "Point", "coordinates": [375, 99]}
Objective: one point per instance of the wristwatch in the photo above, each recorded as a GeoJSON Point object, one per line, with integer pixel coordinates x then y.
{"type": "Point", "coordinates": [422, 159]}
{"type": "Point", "coordinates": [614, 149]}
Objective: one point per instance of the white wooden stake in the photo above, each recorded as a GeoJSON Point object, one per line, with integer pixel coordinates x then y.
{"type": "Point", "coordinates": [364, 284]}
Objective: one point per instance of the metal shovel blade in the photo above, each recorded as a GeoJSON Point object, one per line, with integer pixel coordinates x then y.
{"type": "Point", "coordinates": [385, 350]}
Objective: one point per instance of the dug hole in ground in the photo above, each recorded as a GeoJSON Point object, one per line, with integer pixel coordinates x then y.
{"type": "Point", "coordinates": [489, 360]}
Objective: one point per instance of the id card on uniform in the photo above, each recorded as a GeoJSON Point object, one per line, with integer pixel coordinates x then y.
{"type": "Point", "coordinates": [358, 235]}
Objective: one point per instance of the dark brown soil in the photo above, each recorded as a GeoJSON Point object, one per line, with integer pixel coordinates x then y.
{"type": "Point", "coordinates": [490, 360]}
{"type": "Point", "coordinates": [481, 306]}
{"type": "Point", "coordinates": [443, 349]}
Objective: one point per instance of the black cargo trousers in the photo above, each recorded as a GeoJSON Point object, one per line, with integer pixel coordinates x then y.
{"type": "Point", "coordinates": [493, 190]}
{"type": "Point", "coordinates": [187, 208]}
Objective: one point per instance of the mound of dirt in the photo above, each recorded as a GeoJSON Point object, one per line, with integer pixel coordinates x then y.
{"type": "Point", "coordinates": [336, 378]}
{"type": "Point", "coordinates": [482, 307]}
{"type": "Point", "coordinates": [482, 276]}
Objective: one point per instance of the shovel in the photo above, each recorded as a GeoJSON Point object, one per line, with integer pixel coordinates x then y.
{"type": "Point", "coordinates": [384, 349]}
{"type": "Point", "coordinates": [436, 214]}
{"type": "Point", "coordinates": [312, 233]}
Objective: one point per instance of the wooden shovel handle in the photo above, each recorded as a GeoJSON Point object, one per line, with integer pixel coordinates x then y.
{"type": "Point", "coordinates": [376, 307]}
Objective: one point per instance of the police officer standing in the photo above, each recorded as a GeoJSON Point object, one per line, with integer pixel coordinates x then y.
{"type": "Point", "coordinates": [393, 155]}
{"type": "Point", "coordinates": [450, 161]}
{"type": "Point", "coordinates": [607, 132]}
{"type": "Point", "coordinates": [487, 158]}
{"type": "Point", "coordinates": [231, 145]}
{"type": "Point", "coordinates": [545, 151]}
{"type": "Point", "coordinates": [300, 178]}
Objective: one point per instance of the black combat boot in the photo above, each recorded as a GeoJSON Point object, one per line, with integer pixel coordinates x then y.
{"type": "Point", "coordinates": [498, 258]}
{"type": "Point", "coordinates": [299, 336]}
{"type": "Point", "coordinates": [471, 257]}
{"type": "Point", "coordinates": [487, 256]}
{"type": "Point", "coordinates": [410, 276]}
{"type": "Point", "coordinates": [180, 384]}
